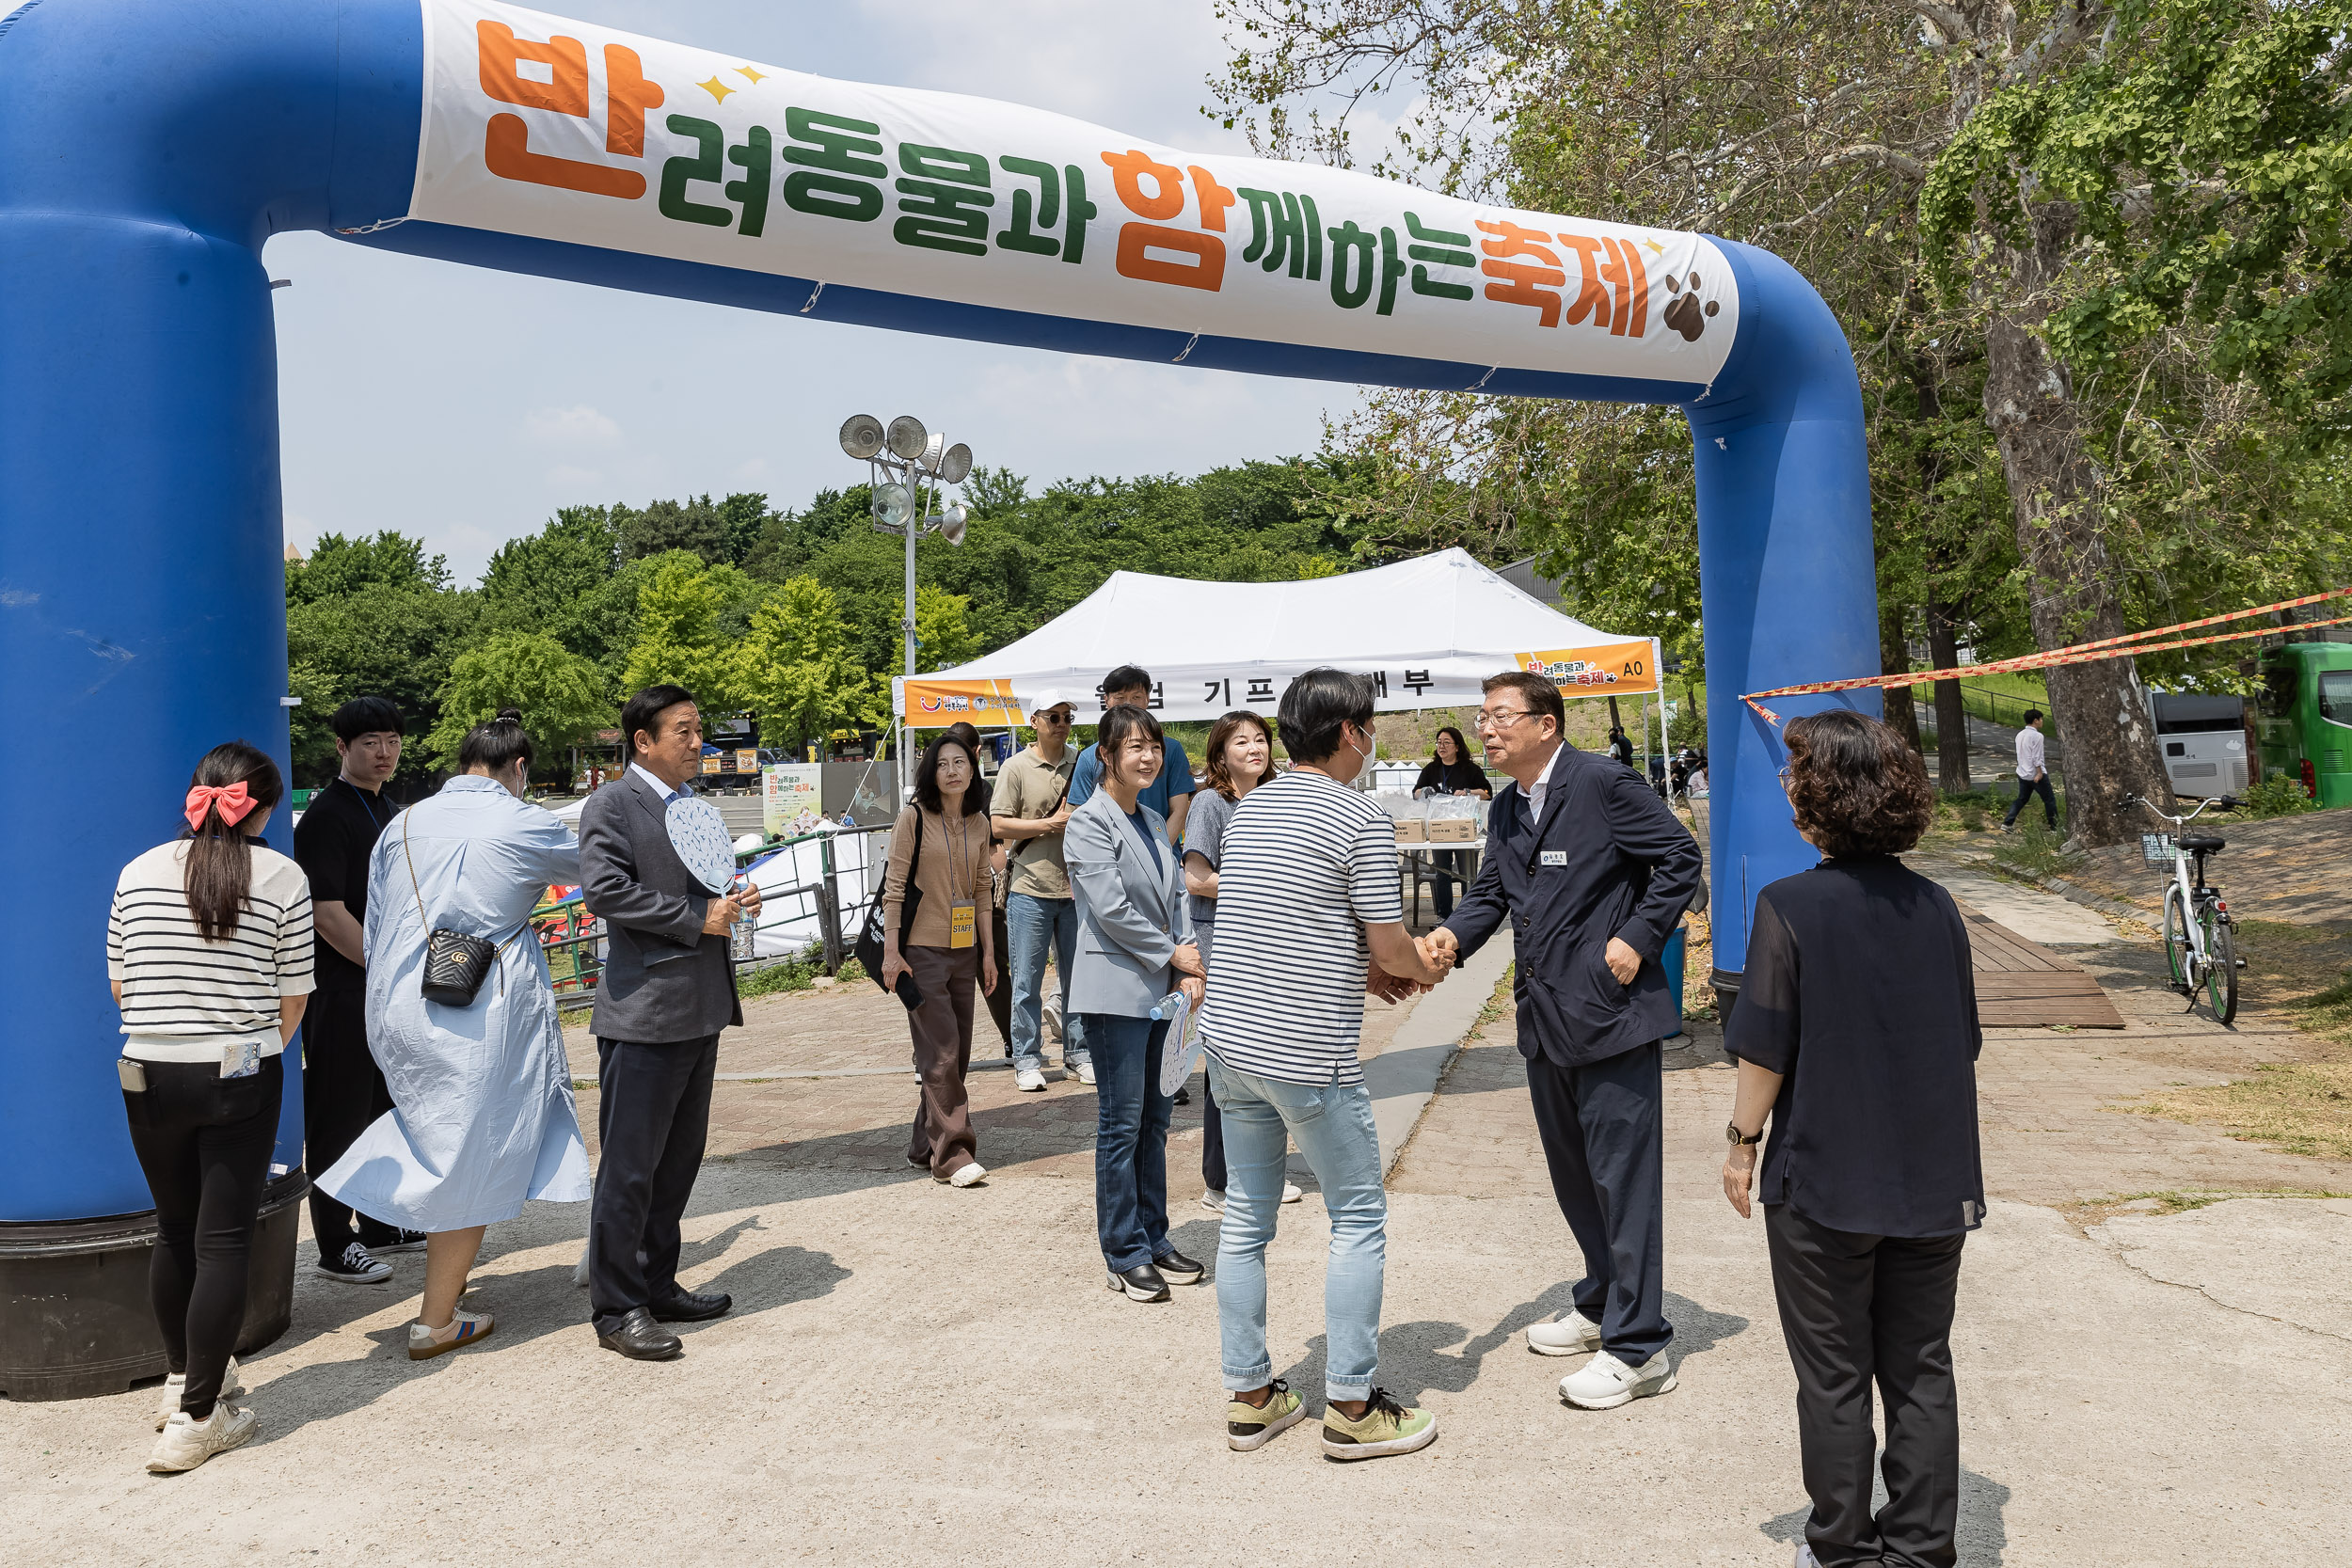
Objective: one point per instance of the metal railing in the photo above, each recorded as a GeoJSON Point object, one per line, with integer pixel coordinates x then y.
{"type": "Point", "coordinates": [830, 907]}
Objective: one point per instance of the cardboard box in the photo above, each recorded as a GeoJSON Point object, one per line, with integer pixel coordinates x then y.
{"type": "Point", "coordinates": [1453, 830]}
{"type": "Point", "coordinates": [1414, 832]}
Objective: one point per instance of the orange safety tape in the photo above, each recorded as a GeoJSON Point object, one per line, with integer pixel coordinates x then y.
{"type": "Point", "coordinates": [2102, 650]}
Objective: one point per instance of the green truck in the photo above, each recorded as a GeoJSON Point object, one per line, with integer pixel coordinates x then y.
{"type": "Point", "coordinates": [2304, 725]}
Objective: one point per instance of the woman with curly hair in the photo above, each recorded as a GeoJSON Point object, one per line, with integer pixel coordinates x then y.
{"type": "Point", "coordinates": [1856, 1030]}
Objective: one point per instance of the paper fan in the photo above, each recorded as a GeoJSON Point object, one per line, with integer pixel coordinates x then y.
{"type": "Point", "coordinates": [699, 834]}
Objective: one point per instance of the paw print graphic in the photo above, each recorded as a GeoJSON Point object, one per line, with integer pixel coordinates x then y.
{"type": "Point", "coordinates": [1685, 315]}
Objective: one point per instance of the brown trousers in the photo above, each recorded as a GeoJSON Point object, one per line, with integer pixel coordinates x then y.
{"type": "Point", "coordinates": [942, 1135]}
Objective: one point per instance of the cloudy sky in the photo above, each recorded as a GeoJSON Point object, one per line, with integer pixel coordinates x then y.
{"type": "Point", "coordinates": [465, 405]}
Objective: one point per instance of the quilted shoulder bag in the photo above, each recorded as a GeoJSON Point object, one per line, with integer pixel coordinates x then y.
{"type": "Point", "coordinates": [869, 946]}
{"type": "Point", "coordinates": [455, 962]}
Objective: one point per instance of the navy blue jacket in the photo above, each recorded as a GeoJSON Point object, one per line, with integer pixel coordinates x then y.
{"type": "Point", "coordinates": [1625, 866]}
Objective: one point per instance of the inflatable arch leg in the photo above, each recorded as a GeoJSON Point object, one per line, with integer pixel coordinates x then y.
{"type": "Point", "coordinates": [149, 148]}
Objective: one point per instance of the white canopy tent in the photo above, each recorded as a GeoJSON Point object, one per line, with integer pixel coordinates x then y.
{"type": "Point", "coordinates": [1427, 631]}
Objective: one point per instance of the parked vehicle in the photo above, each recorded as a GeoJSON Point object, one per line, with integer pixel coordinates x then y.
{"type": "Point", "coordinates": [2203, 740]}
{"type": "Point", "coordinates": [2304, 728]}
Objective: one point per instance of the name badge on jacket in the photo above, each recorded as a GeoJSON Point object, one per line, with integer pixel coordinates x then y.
{"type": "Point", "coordinates": [1555, 857]}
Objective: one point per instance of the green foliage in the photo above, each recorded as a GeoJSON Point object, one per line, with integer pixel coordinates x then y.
{"type": "Point", "coordinates": [565, 699]}
{"type": "Point", "coordinates": [2279, 795]}
{"type": "Point", "coordinates": [693, 525]}
{"type": "Point", "coordinates": [370, 617]}
{"type": "Point", "coordinates": [677, 637]}
{"type": "Point", "coordinates": [798, 973]}
{"type": "Point", "coordinates": [797, 668]}
{"type": "Point", "coordinates": [2033, 849]}
{"type": "Point", "coordinates": [942, 636]}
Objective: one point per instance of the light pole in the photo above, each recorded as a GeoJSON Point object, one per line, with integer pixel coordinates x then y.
{"type": "Point", "coordinates": [897, 461]}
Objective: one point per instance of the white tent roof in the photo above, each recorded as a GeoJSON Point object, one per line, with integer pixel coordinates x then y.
{"type": "Point", "coordinates": [1429, 631]}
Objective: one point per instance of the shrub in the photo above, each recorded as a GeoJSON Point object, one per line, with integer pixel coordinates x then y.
{"type": "Point", "coordinates": [2279, 795]}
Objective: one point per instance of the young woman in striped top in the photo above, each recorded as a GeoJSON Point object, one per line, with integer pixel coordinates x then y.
{"type": "Point", "coordinates": [209, 952]}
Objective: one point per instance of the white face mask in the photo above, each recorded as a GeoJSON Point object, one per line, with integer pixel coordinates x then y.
{"type": "Point", "coordinates": [1364, 764]}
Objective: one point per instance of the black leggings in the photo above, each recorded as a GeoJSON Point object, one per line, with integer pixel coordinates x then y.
{"type": "Point", "coordinates": [204, 1142]}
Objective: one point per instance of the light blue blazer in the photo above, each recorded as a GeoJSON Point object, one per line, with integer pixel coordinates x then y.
{"type": "Point", "coordinates": [1131, 914]}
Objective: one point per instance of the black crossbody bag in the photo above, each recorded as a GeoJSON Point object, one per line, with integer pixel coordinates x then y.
{"type": "Point", "coordinates": [868, 946]}
{"type": "Point", "coordinates": [455, 963]}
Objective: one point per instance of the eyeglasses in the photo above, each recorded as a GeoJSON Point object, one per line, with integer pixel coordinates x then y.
{"type": "Point", "coordinates": [1498, 719]}
{"type": "Point", "coordinates": [1787, 772]}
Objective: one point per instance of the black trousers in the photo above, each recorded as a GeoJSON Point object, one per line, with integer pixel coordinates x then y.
{"type": "Point", "coordinates": [2026, 790]}
{"type": "Point", "coordinates": [204, 1142]}
{"type": "Point", "coordinates": [1211, 1139]}
{"type": "Point", "coordinates": [1000, 1000]}
{"type": "Point", "coordinates": [1857, 1310]}
{"type": "Point", "coordinates": [343, 1094]}
{"type": "Point", "coordinates": [1603, 1130]}
{"type": "Point", "coordinates": [653, 1118]}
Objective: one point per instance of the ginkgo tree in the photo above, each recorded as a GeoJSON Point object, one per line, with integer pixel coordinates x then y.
{"type": "Point", "coordinates": [798, 667]}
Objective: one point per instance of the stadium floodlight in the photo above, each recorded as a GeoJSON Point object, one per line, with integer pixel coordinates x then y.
{"type": "Point", "coordinates": [860, 436]}
{"type": "Point", "coordinates": [955, 463]}
{"type": "Point", "coordinates": [908, 437]}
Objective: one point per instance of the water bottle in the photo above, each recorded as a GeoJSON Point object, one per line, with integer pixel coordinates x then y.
{"type": "Point", "coordinates": [1166, 1006]}
{"type": "Point", "coordinates": [740, 935]}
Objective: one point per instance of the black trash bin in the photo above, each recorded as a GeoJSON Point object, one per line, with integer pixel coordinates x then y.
{"type": "Point", "coordinates": [74, 1319]}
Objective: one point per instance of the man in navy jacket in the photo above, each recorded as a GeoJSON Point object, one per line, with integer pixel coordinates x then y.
{"type": "Point", "coordinates": [1592, 871]}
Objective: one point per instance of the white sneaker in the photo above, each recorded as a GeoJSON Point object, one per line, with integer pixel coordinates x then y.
{"type": "Point", "coordinates": [970, 1176]}
{"type": "Point", "coordinates": [1085, 1073]}
{"type": "Point", "coordinates": [463, 1328]}
{"type": "Point", "coordinates": [1804, 1555]}
{"type": "Point", "coordinates": [1213, 1200]}
{"type": "Point", "coordinates": [175, 1386]}
{"type": "Point", "coordinates": [187, 1443]}
{"type": "Point", "coordinates": [1570, 1334]}
{"type": "Point", "coordinates": [1605, 1383]}
{"type": "Point", "coordinates": [1029, 1080]}
{"type": "Point", "coordinates": [1291, 1192]}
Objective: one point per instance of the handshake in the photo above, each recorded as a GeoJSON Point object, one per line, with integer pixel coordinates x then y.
{"type": "Point", "coordinates": [1433, 956]}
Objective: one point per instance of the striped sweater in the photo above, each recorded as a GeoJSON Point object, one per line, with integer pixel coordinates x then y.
{"type": "Point", "coordinates": [174, 983]}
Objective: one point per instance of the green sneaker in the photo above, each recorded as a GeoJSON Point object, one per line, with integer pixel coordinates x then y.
{"type": "Point", "coordinates": [1251, 1426]}
{"type": "Point", "coordinates": [1386, 1427]}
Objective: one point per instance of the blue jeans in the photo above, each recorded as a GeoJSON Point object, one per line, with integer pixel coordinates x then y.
{"type": "Point", "coordinates": [1040, 928]}
{"type": "Point", "coordinates": [1130, 1139]}
{"type": "Point", "coordinates": [1333, 1125]}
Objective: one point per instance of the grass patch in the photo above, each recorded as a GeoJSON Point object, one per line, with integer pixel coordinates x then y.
{"type": "Point", "coordinates": [799, 973]}
{"type": "Point", "coordinates": [2034, 848]}
{"type": "Point", "coordinates": [2297, 1107]}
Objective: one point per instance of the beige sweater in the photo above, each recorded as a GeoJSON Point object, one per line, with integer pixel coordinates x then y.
{"type": "Point", "coordinates": [945, 877]}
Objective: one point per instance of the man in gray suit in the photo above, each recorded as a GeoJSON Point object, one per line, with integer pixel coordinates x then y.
{"type": "Point", "coordinates": [668, 989]}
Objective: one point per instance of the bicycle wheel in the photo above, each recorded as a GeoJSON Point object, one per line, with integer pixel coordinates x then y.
{"type": "Point", "coordinates": [2180, 957]}
{"type": "Point", "coordinates": [2220, 967]}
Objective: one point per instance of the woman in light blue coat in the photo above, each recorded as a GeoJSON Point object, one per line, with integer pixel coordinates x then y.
{"type": "Point", "coordinates": [1134, 946]}
{"type": "Point", "coordinates": [482, 1115]}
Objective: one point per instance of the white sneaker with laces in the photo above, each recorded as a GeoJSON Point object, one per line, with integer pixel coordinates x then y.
{"type": "Point", "coordinates": [970, 1176]}
{"type": "Point", "coordinates": [1291, 1192]}
{"type": "Point", "coordinates": [1085, 1073]}
{"type": "Point", "coordinates": [175, 1386]}
{"type": "Point", "coordinates": [1570, 1334]}
{"type": "Point", "coordinates": [1029, 1080]}
{"type": "Point", "coordinates": [187, 1443]}
{"type": "Point", "coordinates": [1605, 1383]}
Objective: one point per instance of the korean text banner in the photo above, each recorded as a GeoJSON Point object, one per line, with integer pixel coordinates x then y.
{"type": "Point", "coordinates": [557, 130]}
{"type": "Point", "coordinates": [1612, 670]}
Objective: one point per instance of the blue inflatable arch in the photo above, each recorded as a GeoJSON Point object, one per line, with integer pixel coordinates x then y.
{"type": "Point", "coordinates": [148, 149]}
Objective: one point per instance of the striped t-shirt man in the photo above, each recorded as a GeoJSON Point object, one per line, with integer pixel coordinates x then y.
{"type": "Point", "coordinates": [183, 997]}
{"type": "Point", "coordinates": [1308, 863]}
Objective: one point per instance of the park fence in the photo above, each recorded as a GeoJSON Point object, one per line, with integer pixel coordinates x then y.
{"type": "Point", "coordinates": [815, 891]}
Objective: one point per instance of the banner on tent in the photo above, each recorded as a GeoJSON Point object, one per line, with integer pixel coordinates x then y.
{"type": "Point", "coordinates": [539, 126]}
{"type": "Point", "coordinates": [1609, 670]}
{"type": "Point", "coordinates": [927, 703]}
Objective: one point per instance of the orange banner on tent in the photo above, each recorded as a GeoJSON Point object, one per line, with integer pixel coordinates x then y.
{"type": "Point", "coordinates": [934, 705]}
{"type": "Point", "coordinates": [1607, 670]}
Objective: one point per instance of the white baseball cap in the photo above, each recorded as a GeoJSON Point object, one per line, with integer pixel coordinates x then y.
{"type": "Point", "coordinates": [1049, 697]}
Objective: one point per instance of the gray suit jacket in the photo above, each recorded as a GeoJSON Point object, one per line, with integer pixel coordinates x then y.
{"type": "Point", "coordinates": [1132, 915]}
{"type": "Point", "coordinates": [664, 981]}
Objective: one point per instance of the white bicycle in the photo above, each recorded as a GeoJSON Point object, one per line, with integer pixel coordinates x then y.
{"type": "Point", "coordinates": [2200, 947]}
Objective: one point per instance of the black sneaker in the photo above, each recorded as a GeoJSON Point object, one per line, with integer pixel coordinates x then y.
{"type": "Point", "coordinates": [1183, 1095]}
{"type": "Point", "coordinates": [1177, 1269]}
{"type": "Point", "coordinates": [403, 1241]}
{"type": "Point", "coordinates": [354, 1265]}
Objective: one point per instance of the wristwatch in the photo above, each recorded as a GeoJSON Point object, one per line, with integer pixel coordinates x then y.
{"type": "Point", "coordinates": [1731, 1131]}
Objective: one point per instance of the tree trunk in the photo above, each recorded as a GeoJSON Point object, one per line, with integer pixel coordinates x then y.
{"type": "Point", "coordinates": [1951, 718]}
{"type": "Point", "coordinates": [1895, 659]}
{"type": "Point", "coordinates": [2073, 588]}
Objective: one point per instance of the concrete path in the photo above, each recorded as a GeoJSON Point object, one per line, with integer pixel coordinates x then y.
{"type": "Point", "coordinates": [1403, 1077]}
{"type": "Point", "coordinates": [2036, 915]}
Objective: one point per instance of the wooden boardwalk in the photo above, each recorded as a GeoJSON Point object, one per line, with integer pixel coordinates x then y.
{"type": "Point", "coordinates": [2022, 985]}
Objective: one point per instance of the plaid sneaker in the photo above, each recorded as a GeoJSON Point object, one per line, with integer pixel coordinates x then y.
{"type": "Point", "coordinates": [1385, 1426]}
{"type": "Point", "coordinates": [1253, 1426]}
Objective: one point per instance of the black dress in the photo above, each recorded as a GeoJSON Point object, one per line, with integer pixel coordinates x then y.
{"type": "Point", "coordinates": [1859, 991]}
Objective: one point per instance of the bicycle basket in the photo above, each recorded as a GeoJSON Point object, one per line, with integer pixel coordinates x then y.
{"type": "Point", "coordinates": [2155, 850]}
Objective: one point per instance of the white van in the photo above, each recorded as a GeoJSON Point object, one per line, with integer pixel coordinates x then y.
{"type": "Point", "coordinates": [2203, 740]}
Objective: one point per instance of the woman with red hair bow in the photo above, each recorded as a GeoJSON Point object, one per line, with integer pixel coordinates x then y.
{"type": "Point", "coordinates": [209, 952]}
